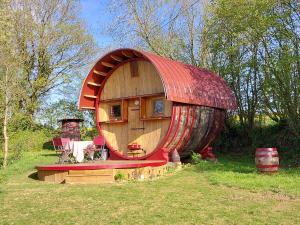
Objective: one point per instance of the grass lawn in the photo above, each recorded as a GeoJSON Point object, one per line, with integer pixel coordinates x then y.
{"type": "Point", "coordinates": [227, 193]}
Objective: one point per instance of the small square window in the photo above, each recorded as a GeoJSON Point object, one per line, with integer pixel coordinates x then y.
{"type": "Point", "coordinates": [115, 111]}
{"type": "Point", "coordinates": [158, 107]}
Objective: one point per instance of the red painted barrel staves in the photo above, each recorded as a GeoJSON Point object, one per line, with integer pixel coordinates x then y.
{"type": "Point", "coordinates": [267, 160]}
{"type": "Point", "coordinates": [155, 102]}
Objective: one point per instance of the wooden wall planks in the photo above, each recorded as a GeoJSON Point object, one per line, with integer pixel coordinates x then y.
{"type": "Point", "coordinates": [122, 84]}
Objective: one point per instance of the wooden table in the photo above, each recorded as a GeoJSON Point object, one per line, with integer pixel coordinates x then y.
{"type": "Point", "coordinates": [135, 152]}
{"type": "Point", "coordinates": [78, 149]}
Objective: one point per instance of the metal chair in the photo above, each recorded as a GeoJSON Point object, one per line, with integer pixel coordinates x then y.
{"type": "Point", "coordinates": [62, 147]}
{"type": "Point", "coordinates": [99, 143]}
{"type": "Point", "coordinates": [89, 152]}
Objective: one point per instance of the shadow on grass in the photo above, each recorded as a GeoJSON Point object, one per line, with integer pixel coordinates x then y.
{"type": "Point", "coordinates": [1, 191]}
{"type": "Point", "coordinates": [244, 165]}
{"type": "Point", "coordinates": [48, 145]}
{"type": "Point", "coordinates": [49, 154]}
{"type": "Point", "coordinates": [33, 176]}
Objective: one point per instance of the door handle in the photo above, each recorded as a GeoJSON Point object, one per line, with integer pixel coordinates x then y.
{"type": "Point", "coordinates": [138, 128]}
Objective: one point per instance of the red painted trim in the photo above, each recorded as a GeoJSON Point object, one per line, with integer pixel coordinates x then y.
{"type": "Point", "coordinates": [114, 154]}
{"type": "Point", "coordinates": [193, 122]}
{"type": "Point", "coordinates": [94, 166]}
{"type": "Point", "coordinates": [215, 130]}
{"type": "Point", "coordinates": [184, 129]}
{"type": "Point", "coordinates": [266, 149]}
{"type": "Point", "coordinates": [267, 166]}
{"type": "Point", "coordinates": [266, 155]}
{"type": "Point", "coordinates": [272, 171]}
{"type": "Point", "coordinates": [163, 142]}
{"type": "Point", "coordinates": [177, 127]}
{"type": "Point", "coordinates": [190, 131]}
{"type": "Point", "coordinates": [161, 94]}
{"type": "Point", "coordinates": [185, 75]}
{"type": "Point", "coordinates": [161, 154]}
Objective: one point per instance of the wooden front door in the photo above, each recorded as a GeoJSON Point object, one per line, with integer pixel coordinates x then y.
{"type": "Point", "coordinates": [135, 125]}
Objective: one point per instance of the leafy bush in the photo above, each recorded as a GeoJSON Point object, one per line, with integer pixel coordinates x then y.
{"type": "Point", "coordinates": [20, 122]}
{"type": "Point", "coordinates": [234, 141]}
{"type": "Point", "coordinates": [196, 158]}
{"type": "Point", "coordinates": [28, 140]}
{"type": "Point", "coordinates": [88, 133]}
{"type": "Point", "coordinates": [119, 176]}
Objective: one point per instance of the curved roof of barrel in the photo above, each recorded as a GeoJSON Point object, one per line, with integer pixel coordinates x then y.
{"type": "Point", "coordinates": [182, 82]}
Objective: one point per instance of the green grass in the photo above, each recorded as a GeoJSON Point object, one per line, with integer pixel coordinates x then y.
{"type": "Point", "coordinates": [226, 193]}
{"type": "Point", "coordinates": [241, 173]}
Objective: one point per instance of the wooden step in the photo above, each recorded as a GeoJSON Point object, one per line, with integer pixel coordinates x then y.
{"type": "Point", "coordinates": [88, 107]}
{"type": "Point", "coordinates": [137, 54]}
{"type": "Point", "coordinates": [89, 179]}
{"type": "Point", "coordinates": [127, 54]}
{"type": "Point", "coordinates": [94, 84]}
{"type": "Point", "coordinates": [103, 172]}
{"type": "Point", "coordinates": [101, 73]}
{"type": "Point", "coordinates": [107, 64]}
{"type": "Point", "coordinates": [90, 96]}
{"type": "Point", "coordinates": [117, 58]}
{"type": "Point", "coordinates": [90, 176]}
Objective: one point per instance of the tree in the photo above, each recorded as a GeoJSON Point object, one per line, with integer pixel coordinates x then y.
{"type": "Point", "coordinates": [281, 65]}
{"type": "Point", "coordinates": [60, 110]}
{"type": "Point", "coordinates": [255, 47]}
{"type": "Point", "coordinates": [232, 48]}
{"type": "Point", "coordinates": [10, 90]}
{"type": "Point", "coordinates": [52, 44]}
{"type": "Point", "coordinates": [168, 28]}
{"type": "Point", "coordinates": [43, 44]}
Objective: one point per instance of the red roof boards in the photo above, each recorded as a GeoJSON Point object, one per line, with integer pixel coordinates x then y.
{"type": "Point", "coordinates": [182, 82]}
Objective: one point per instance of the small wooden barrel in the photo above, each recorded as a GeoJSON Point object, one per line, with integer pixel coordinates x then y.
{"type": "Point", "coordinates": [267, 160]}
{"type": "Point", "coordinates": [71, 128]}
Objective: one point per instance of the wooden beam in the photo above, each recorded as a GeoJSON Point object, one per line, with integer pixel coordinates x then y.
{"type": "Point", "coordinates": [90, 96]}
{"type": "Point", "coordinates": [88, 107]}
{"type": "Point", "coordinates": [127, 54]}
{"type": "Point", "coordinates": [137, 54]}
{"type": "Point", "coordinates": [107, 64]}
{"type": "Point", "coordinates": [160, 94]}
{"type": "Point", "coordinates": [117, 58]}
{"type": "Point", "coordinates": [100, 73]}
{"type": "Point", "coordinates": [94, 84]}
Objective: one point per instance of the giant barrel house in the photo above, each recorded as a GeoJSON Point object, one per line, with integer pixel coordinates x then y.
{"type": "Point", "coordinates": [150, 102]}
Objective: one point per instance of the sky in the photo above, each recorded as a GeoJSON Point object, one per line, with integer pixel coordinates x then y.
{"type": "Point", "coordinates": [94, 13]}
{"type": "Point", "coordinates": [96, 16]}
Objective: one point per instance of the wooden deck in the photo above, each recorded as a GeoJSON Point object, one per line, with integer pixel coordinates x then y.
{"type": "Point", "coordinates": [101, 171]}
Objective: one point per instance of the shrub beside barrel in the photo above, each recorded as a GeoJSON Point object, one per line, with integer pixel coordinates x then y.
{"type": "Point", "coordinates": [267, 160]}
